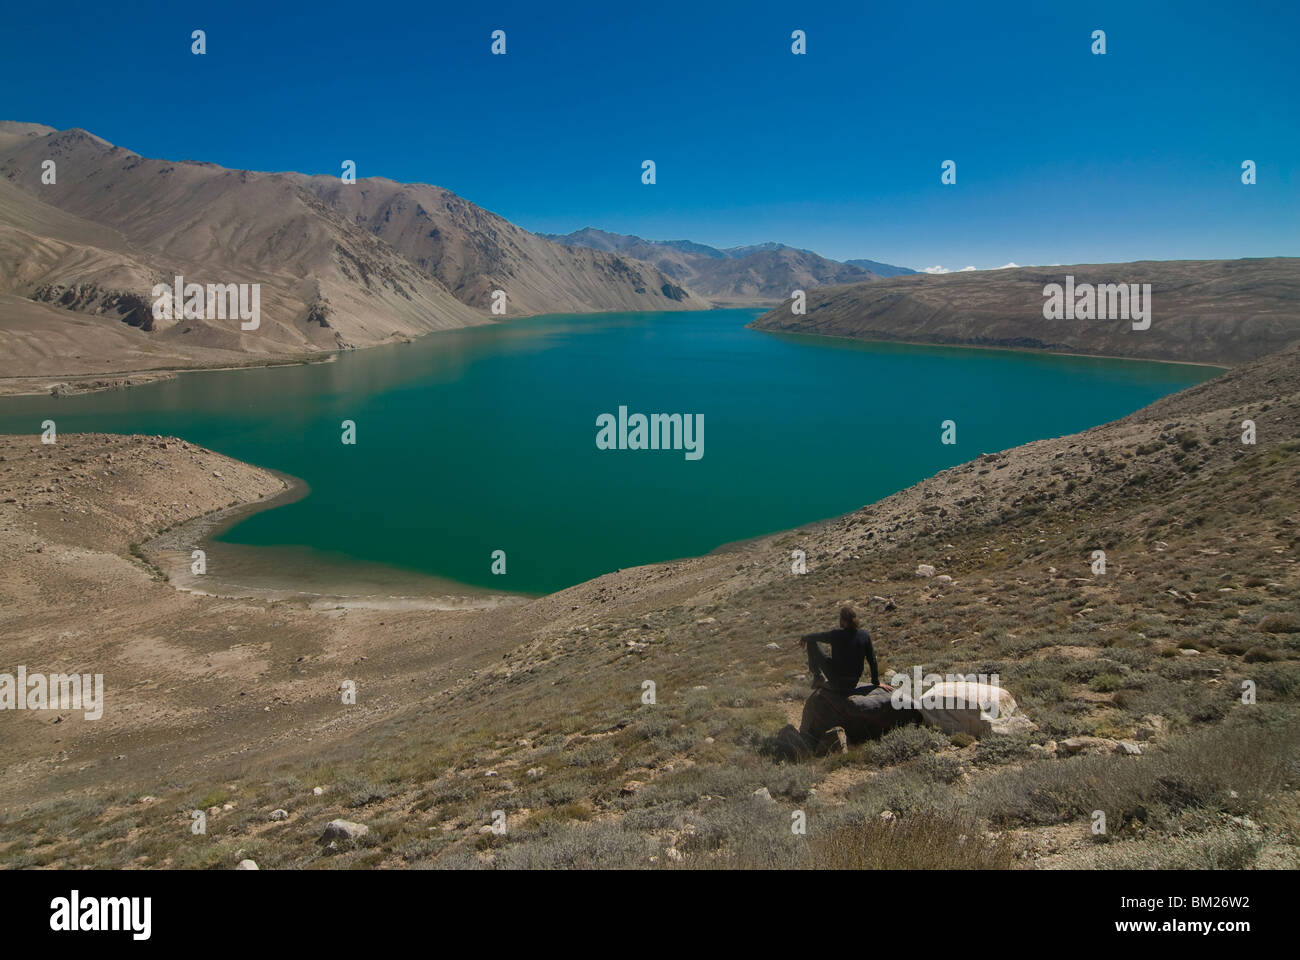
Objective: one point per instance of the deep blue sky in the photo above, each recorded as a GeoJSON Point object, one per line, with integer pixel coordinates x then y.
{"type": "Point", "coordinates": [1061, 156]}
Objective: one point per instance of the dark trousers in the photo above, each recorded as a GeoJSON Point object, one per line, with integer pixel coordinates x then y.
{"type": "Point", "coordinates": [819, 666]}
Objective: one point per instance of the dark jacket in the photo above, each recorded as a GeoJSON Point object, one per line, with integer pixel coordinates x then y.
{"type": "Point", "coordinates": [849, 651]}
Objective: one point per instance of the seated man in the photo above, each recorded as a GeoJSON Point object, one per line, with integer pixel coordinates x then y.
{"type": "Point", "coordinates": [850, 648]}
{"type": "Point", "coordinates": [863, 713]}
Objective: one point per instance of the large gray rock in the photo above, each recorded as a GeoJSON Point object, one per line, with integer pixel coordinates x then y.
{"type": "Point", "coordinates": [967, 707]}
{"type": "Point", "coordinates": [863, 716]}
{"type": "Point", "coordinates": [344, 830]}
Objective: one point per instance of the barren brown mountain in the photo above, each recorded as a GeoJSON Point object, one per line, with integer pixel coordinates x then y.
{"type": "Point", "coordinates": [740, 276]}
{"type": "Point", "coordinates": [339, 265]}
{"type": "Point", "coordinates": [1207, 311]}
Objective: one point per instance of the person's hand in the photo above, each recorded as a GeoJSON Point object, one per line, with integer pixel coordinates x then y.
{"type": "Point", "coordinates": [886, 687]}
{"type": "Point", "coordinates": [802, 641]}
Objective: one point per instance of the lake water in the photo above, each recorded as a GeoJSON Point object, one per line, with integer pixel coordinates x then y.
{"type": "Point", "coordinates": [478, 440]}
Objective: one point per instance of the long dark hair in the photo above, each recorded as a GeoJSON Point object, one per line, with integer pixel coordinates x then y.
{"type": "Point", "coordinates": [849, 619]}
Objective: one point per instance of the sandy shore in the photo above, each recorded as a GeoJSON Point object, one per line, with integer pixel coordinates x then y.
{"type": "Point", "coordinates": [75, 384]}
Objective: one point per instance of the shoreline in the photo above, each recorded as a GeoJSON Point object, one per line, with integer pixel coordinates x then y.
{"type": "Point", "coordinates": [169, 554]}
{"type": "Point", "coordinates": [1220, 365]}
{"type": "Point", "coordinates": [42, 386]}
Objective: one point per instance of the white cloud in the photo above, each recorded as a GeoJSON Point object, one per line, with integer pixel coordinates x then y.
{"type": "Point", "coordinates": [938, 269]}
{"type": "Point", "coordinates": [1009, 266]}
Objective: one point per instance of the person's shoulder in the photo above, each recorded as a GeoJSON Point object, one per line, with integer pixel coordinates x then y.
{"type": "Point", "coordinates": [863, 636]}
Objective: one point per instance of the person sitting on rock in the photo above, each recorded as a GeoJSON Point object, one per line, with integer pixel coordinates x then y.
{"type": "Point", "coordinates": [850, 649]}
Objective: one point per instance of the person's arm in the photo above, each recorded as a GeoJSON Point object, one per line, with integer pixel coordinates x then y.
{"type": "Point", "coordinates": [817, 638]}
{"type": "Point", "coordinates": [871, 661]}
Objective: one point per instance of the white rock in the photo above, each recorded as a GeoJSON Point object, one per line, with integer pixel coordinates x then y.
{"type": "Point", "coordinates": [966, 707]}
{"type": "Point", "coordinates": [247, 865]}
{"type": "Point", "coordinates": [925, 570]}
{"type": "Point", "coordinates": [344, 830]}
{"type": "Point", "coordinates": [280, 814]}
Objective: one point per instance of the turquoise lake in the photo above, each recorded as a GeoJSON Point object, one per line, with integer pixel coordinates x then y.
{"type": "Point", "coordinates": [478, 440]}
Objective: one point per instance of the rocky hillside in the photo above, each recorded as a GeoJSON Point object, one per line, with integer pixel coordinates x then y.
{"type": "Point", "coordinates": [750, 275]}
{"type": "Point", "coordinates": [1208, 311]}
{"type": "Point", "coordinates": [1133, 678]}
{"type": "Point", "coordinates": [339, 266]}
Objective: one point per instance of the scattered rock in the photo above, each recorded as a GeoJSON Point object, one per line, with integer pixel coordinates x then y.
{"type": "Point", "coordinates": [925, 570]}
{"type": "Point", "coordinates": [1153, 727]}
{"type": "Point", "coordinates": [1071, 746]}
{"type": "Point", "coordinates": [1014, 724]}
{"type": "Point", "coordinates": [344, 830]}
{"type": "Point", "coordinates": [763, 795]}
{"type": "Point", "coordinates": [280, 814]}
{"type": "Point", "coordinates": [247, 865]}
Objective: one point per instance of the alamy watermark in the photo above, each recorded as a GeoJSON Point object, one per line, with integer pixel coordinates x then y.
{"type": "Point", "coordinates": [951, 691]}
{"type": "Point", "coordinates": [1104, 301]}
{"type": "Point", "coordinates": [76, 913]}
{"type": "Point", "coordinates": [57, 691]}
{"type": "Point", "coordinates": [658, 431]}
{"type": "Point", "coordinates": [216, 301]}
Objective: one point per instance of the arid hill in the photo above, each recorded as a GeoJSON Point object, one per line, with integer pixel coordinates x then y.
{"type": "Point", "coordinates": [1133, 677]}
{"type": "Point", "coordinates": [1206, 311]}
{"type": "Point", "coordinates": [742, 275]}
{"type": "Point", "coordinates": [339, 265]}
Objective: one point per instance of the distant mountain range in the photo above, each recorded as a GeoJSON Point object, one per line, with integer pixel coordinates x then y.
{"type": "Point", "coordinates": [340, 265]}
{"type": "Point", "coordinates": [753, 274]}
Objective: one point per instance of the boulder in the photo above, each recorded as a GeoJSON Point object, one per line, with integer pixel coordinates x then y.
{"type": "Point", "coordinates": [968, 707]}
{"type": "Point", "coordinates": [344, 830]}
{"type": "Point", "coordinates": [1071, 746]}
{"type": "Point", "coordinates": [1019, 723]}
{"type": "Point", "coordinates": [925, 570]}
{"type": "Point", "coordinates": [866, 714]}
{"type": "Point", "coordinates": [1153, 727]}
{"type": "Point", "coordinates": [247, 865]}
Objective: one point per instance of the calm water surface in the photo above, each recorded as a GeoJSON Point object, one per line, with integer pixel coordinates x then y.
{"type": "Point", "coordinates": [480, 440]}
